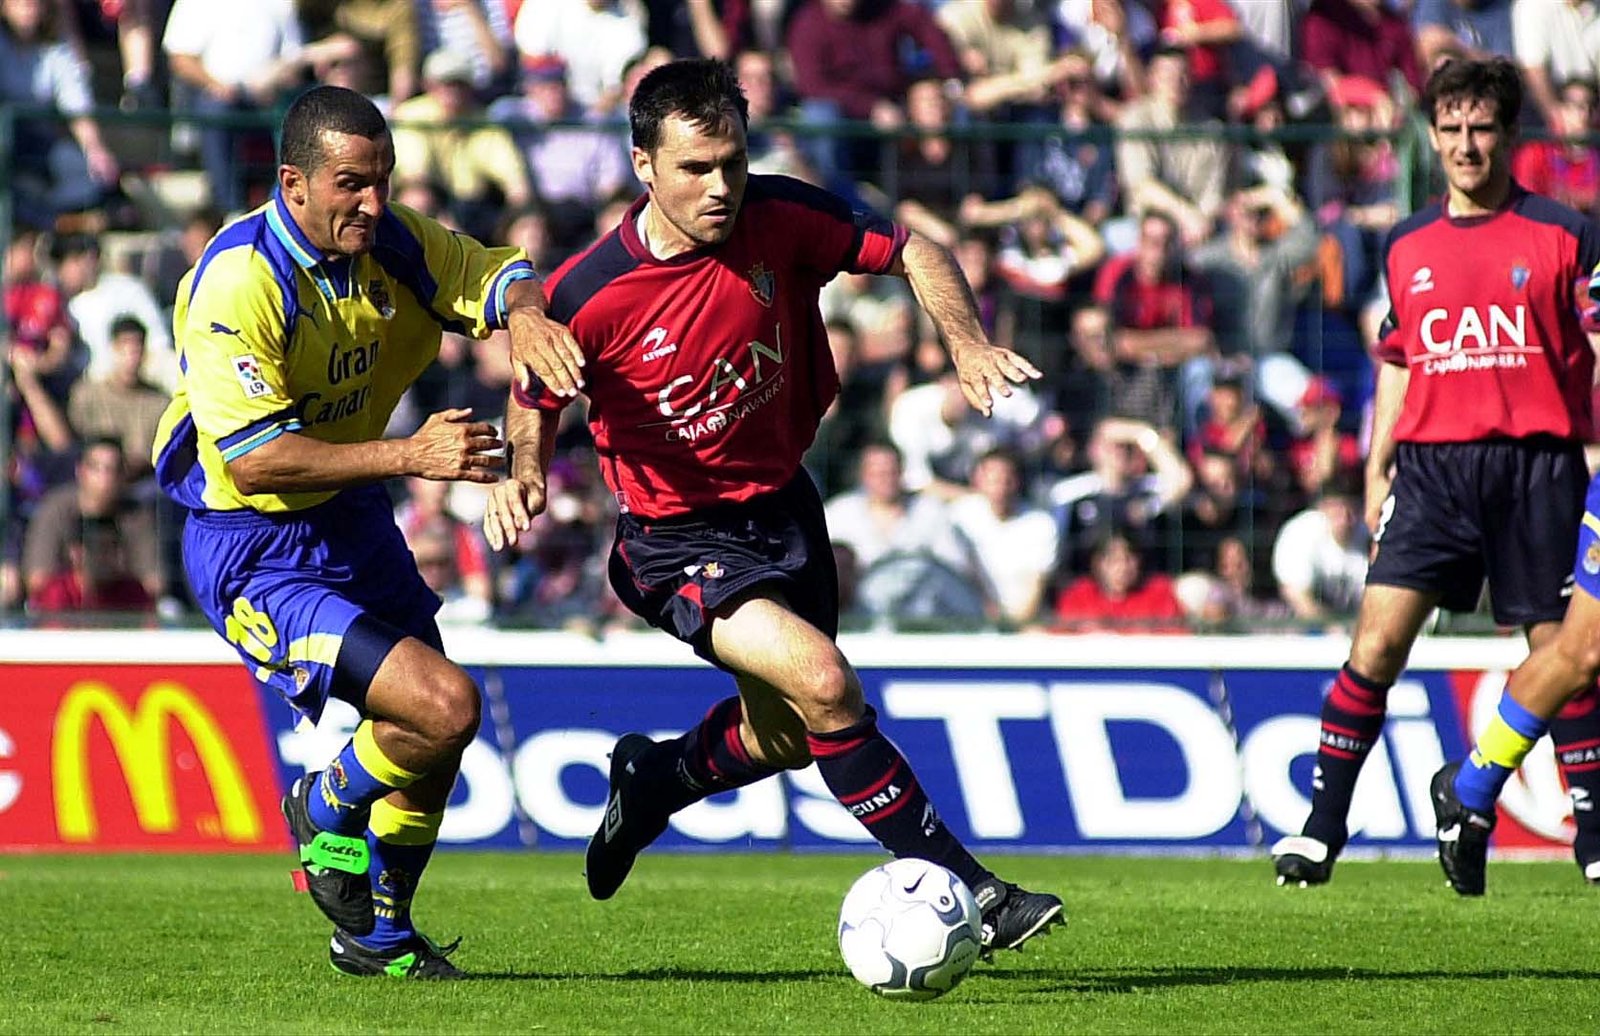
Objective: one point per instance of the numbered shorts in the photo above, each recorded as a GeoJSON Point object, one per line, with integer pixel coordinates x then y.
{"type": "Point", "coordinates": [675, 573]}
{"type": "Point", "coordinates": [312, 600]}
{"type": "Point", "coordinates": [1505, 509]}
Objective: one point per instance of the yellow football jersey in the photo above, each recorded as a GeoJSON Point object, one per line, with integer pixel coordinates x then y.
{"type": "Point", "coordinates": [272, 338]}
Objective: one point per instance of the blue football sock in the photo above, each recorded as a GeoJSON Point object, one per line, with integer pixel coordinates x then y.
{"type": "Point", "coordinates": [361, 775]}
{"type": "Point", "coordinates": [400, 843]}
{"type": "Point", "coordinates": [1499, 751]}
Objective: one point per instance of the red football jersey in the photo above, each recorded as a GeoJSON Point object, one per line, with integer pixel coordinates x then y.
{"type": "Point", "coordinates": [1488, 314]}
{"type": "Point", "coordinates": [708, 373]}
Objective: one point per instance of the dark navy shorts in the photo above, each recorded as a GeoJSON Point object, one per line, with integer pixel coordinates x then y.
{"type": "Point", "coordinates": [1506, 509]}
{"type": "Point", "coordinates": [675, 572]}
{"type": "Point", "coordinates": [312, 600]}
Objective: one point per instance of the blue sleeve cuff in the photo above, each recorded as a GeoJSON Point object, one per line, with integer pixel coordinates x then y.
{"type": "Point", "coordinates": [520, 270]}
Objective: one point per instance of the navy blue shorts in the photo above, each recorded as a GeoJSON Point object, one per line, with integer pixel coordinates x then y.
{"type": "Point", "coordinates": [312, 600]}
{"type": "Point", "coordinates": [675, 572]}
{"type": "Point", "coordinates": [1506, 509]}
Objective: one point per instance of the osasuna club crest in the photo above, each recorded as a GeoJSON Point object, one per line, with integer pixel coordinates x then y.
{"type": "Point", "coordinates": [763, 283]}
{"type": "Point", "coordinates": [378, 292]}
{"type": "Point", "coordinates": [1519, 275]}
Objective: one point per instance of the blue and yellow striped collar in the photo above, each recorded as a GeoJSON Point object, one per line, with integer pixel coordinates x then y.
{"type": "Point", "coordinates": [288, 232]}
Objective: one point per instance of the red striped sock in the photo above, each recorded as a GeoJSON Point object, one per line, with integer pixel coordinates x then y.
{"type": "Point", "coordinates": [870, 778]}
{"type": "Point", "coordinates": [1576, 733]}
{"type": "Point", "coordinates": [708, 759]}
{"type": "Point", "coordinates": [1352, 721]}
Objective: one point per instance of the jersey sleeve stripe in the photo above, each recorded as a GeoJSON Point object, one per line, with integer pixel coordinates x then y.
{"type": "Point", "coordinates": [260, 439]}
{"type": "Point", "coordinates": [288, 232]}
{"type": "Point", "coordinates": [288, 415]}
{"type": "Point", "coordinates": [520, 270]}
{"type": "Point", "coordinates": [604, 263]}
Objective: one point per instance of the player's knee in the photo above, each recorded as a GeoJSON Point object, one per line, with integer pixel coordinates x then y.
{"type": "Point", "coordinates": [832, 688]}
{"type": "Point", "coordinates": [452, 710]}
{"type": "Point", "coordinates": [1583, 657]}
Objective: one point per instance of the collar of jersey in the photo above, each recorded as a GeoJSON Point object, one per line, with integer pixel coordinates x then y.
{"type": "Point", "coordinates": [289, 233]}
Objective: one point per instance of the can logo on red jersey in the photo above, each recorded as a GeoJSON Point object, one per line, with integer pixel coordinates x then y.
{"type": "Point", "coordinates": [763, 283]}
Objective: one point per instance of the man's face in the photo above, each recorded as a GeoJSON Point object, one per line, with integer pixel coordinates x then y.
{"type": "Point", "coordinates": [338, 205]}
{"type": "Point", "coordinates": [1116, 568]}
{"type": "Point", "coordinates": [1169, 77]}
{"type": "Point", "coordinates": [996, 480]}
{"type": "Point", "coordinates": [880, 474]}
{"type": "Point", "coordinates": [1471, 143]}
{"type": "Point", "coordinates": [100, 475]}
{"type": "Point", "coordinates": [127, 352]}
{"type": "Point", "coordinates": [697, 177]}
{"type": "Point", "coordinates": [760, 87]}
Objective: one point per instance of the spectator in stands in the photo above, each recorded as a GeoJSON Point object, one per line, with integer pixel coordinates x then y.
{"type": "Point", "coordinates": [1472, 29]}
{"type": "Point", "coordinates": [40, 436]}
{"type": "Point", "coordinates": [97, 577]}
{"type": "Point", "coordinates": [1268, 37]}
{"type": "Point", "coordinates": [1320, 558]}
{"type": "Point", "coordinates": [1079, 170]}
{"type": "Point", "coordinates": [1162, 317]}
{"type": "Point", "coordinates": [856, 416]}
{"type": "Point", "coordinates": [236, 58]}
{"type": "Point", "coordinates": [97, 299]}
{"type": "Point", "coordinates": [772, 151]}
{"type": "Point", "coordinates": [880, 517]}
{"type": "Point", "coordinates": [1216, 508]}
{"type": "Point", "coordinates": [1565, 167]}
{"type": "Point", "coordinates": [97, 497]}
{"type": "Point", "coordinates": [596, 38]}
{"type": "Point", "coordinates": [1352, 184]}
{"type": "Point", "coordinates": [557, 575]}
{"type": "Point", "coordinates": [480, 168]}
{"type": "Point", "coordinates": [941, 439]}
{"type": "Point", "coordinates": [129, 26]}
{"type": "Point", "coordinates": [1253, 271]}
{"type": "Point", "coordinates": [121, 405]}
{"type": "Point", "coordinates": [880, 310]}
{"type": "Point", "coordinates": [932, 172]}
{"type": "Point", "coordinates": [574, 170]}
{"type": "Point", "coordinates": [1136, 479]}
{"type": "Point", "coordinates": [1322, 454]}
{"type": "Point", "coordinates": [180, 250]}
{"type": "Point", "coordinates": [36, 313]}
{"type": "Point", "coordinates": [529, 230]}
{"type": "Point", "coordinates": [1555, 40]}
{"type": "Point", "coordinates": [1115, 36]}
{"type": "Point", "coordinates": [1117, 596]}
{"type": "Point", "coordinates": [1183, 178]}
{"type": "Point", "coordinates": [1096, 384]}
{"type": "Point", "coordinates": [450, 553]}
{"type": "Point", "coordinates": [975, 255]}
{"type": "Point", "coordinates": [1232, 424]}
{"type": "Point", "coordinates": [1260, 105]}
{"type": "Point", "coordinates": [1229, 597]}
{"type": "Point", "coordinates": [480, 30]}
{"type": "Point", "coordinates": [1005, 51]}
{"type": "Point", "coordinates": [387, 34]}
{"type": "Point", "coordinates": [51, 172]}
{"type": "Point", "coordinates": [1359, 37]}
{"type": "Point", "coordinates": [1206, 29]}
{"type": "Point", "coordinates": [1013, 542]}
{"type": "Point", "coordinates": [855, 59]}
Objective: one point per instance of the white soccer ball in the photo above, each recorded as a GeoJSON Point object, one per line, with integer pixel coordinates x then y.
{"type": "Point", "coordinates": [910, 930]}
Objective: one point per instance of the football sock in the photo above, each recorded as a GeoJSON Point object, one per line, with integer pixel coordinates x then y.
{"type": "Point", "coordinates": [1499, 751]}
{"type": "Point", "coordinates": [399, 842]}
{"type": "Point", "coordinates": [870, 778]}
{"type": "Point", "coordinates": [1576, 733]}
{"type": "Point", "coordinates": [358, 777]}
{"type": "Point", "coordinates": [1352, 720]}
{"type": "Point", "coordinates": [708, 759]}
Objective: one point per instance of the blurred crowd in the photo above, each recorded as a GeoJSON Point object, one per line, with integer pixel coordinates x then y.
{"type": "Point", "coordinates": [1114, 176]}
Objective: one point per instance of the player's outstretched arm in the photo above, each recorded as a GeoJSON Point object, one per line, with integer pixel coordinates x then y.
{"type": "Point", "coordinates": [541, 347]}
{"type": "Point", "coordinates": [1387, 400]}
{"type": "Point", "coordinates": [449, 447]}
{"type": "Point", "coordinates": [944, 295]}
{"type": "Point", "coordinates": [514, 503]}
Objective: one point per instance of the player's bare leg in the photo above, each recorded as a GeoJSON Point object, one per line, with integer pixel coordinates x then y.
{"type": "Point", "coordinates": [422, 711]}
{"type": "Point", "coordinates": [1352, 721]}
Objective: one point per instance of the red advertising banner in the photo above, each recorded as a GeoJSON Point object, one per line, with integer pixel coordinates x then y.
{"type": "Point", "coordinates": [135, 757]}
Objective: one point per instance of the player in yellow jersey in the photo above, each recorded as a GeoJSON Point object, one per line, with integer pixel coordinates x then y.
{"type": "Point", "coordinates": [297, 331]}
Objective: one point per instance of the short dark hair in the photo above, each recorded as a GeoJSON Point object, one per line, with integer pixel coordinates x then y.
{"type": "Point", "coordinates": [127, 324]}
{"type": "Point", "coordinates": [325, 109]}
{"type": "Point", "coordinates": [1457, 82]}
{"type": "Point", "coordinates": [705, 91]}
{"type": "Point", "coordinates": [68, 245]}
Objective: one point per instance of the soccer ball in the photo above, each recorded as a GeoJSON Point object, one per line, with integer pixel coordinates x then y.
{"type": "Point", "coordinates": [909, 930]}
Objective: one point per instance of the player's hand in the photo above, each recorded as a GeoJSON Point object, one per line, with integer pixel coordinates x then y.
{"type": "Point", "coordinates": [1377, 495]}
{"type": "Point", "coordinates": [451, 447]}
{"type": "Point", "coordinates": [987, 369]}
{"type": "Point", "coordinates": [543, 350]}
{"type": "Point", "coordinates": [513, 505]}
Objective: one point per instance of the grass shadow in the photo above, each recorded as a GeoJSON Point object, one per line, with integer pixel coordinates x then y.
{"type": "Point", "coordinates": [659, 975]}
{"type": "Point", "coordinates": [1054, 980]}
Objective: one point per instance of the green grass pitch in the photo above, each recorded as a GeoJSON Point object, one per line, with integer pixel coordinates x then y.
{"type": "Point", "coordinates": [745, 944]}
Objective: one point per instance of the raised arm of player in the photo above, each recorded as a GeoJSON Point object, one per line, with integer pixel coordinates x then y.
{"type": "Point", "coordinates": [514, 503]}
{"type": "Point", "coordinates": [947, 299]}
{"type": "Point", "coordinates": [449, 446]}
{"type": "Point", "coordinates": [1388, 397]}
{"type": "Point", "coordinates": [540, 347]}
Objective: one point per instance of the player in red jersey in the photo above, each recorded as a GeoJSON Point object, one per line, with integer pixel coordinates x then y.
{"type": "Point", "coordinates": [1476, 467]}
{"type": "Point", "coordinates": [703, 354]}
